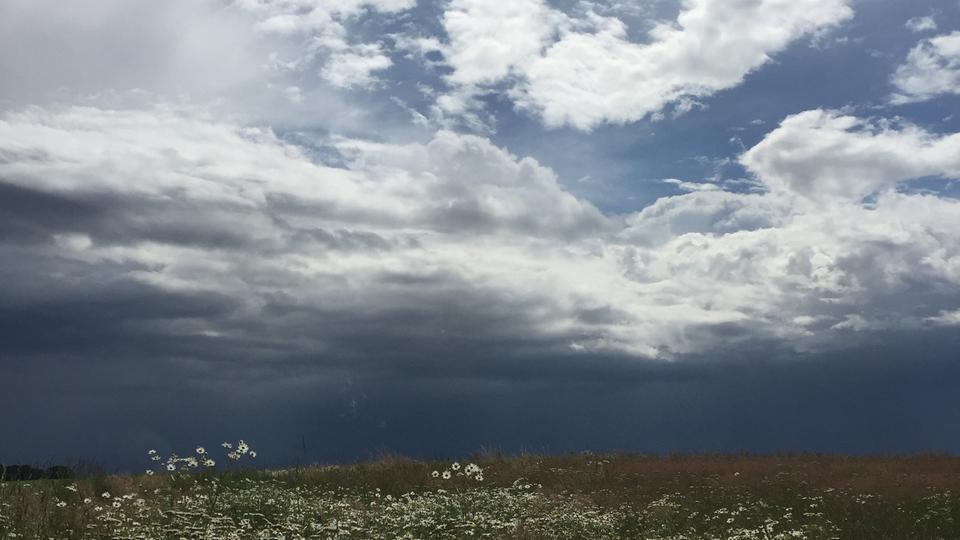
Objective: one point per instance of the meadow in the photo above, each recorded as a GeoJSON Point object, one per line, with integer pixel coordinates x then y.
{"type": "Point", "coordinates": [523, 497]}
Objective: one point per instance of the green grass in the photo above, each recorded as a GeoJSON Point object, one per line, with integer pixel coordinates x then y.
{"type": "Point", "coordinates": [529, 497]}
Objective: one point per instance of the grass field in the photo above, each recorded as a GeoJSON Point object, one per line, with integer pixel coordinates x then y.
{"type": "Point", "coordinates": [527, 497]}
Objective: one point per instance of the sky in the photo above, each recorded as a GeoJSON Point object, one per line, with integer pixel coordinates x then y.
{"type": "Point", "coordinates": [342, 228]}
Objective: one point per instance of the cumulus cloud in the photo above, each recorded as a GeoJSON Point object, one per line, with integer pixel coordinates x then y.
{"type": "Point", "coordinates": [346, 63]}
{"type": "Point", "coordinates": [827, 156]}
{"type": "Point", "coordinates": [426, 249]}
{"type": "Point", "coordinates": [176, 204]}
{"type": "Point", "coordinates": [796, 276]}
{"type": "Point", "coordinates": [932, 68]}
{"type": "Point", "coordinates": [490, 39]}
{"type": "Point", "coordinates": [586, 71]}
{"type": "Point", "coordinates": [300, 16]}
{"type": "Point", "coordinates": [921, 24]}
{"type": "Point", "coordinates": [355, 69]}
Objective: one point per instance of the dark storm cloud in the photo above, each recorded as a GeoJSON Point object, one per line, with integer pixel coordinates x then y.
{"type": "Point", "coordinates": [31, 216]}
{"type": "Point", "coordinates": [877, 401]}
{"type": "Point", "coordinates": [171, 276]}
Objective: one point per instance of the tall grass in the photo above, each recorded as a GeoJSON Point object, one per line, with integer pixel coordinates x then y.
{"type": "Point", "coordinates": [528, 497]}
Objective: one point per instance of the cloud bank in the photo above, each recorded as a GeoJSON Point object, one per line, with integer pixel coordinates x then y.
{"type": "Point", "coordinates": [458, 239]}
{"type": "Point", "coordinates": [266, 214]}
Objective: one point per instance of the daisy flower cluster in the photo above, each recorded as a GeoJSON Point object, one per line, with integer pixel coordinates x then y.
{"type": "Point", "coordinates": [201, 458]}
{"type": "Point", "coordinates": [471, 471]}
{"type": "Point", "coordinates": [242, 449]}
{"type": "Point", "coordinates": [345, 503]}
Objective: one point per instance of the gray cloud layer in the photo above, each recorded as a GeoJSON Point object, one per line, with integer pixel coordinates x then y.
{"type": "Point", "coordinates": [404, 235]}
{"type": "Point", "coordinates": [168, 266]}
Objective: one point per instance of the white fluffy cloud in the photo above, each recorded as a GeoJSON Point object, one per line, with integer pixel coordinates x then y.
{"type": "Point", "coordinates": [296, 16]}
{"type": "Point", "coordinates": [932, 68]}
{"type": "Point", "coordinates": [826, 156]}
{"type": "Point", "coordinates": [490, 39]}
{"type": "Point", "coordinates": [921, 24]}
{"type": "Point", "coordinates": [355, 68]}
{"type": "Point", "coordinates": [323, 24]}
{"type": "Point", "coordinates": [452, 183]}
{"type": "Point", "coordinates": [582, 72]}
{"type": "Point", "coordinates": [198, 205]}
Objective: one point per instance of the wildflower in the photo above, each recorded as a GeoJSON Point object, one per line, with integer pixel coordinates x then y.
{"type": "Point", "coordinates": [226, 445]}
{"type": "Point", "coordinates": [242, 447]}
{"type": "Point", "coordinates": [105, 495]}
{"type": "Point", "coordinates": [252, 454]}
{"type": "Point", "coordinates": [171, 467]}
{"type": "Point", "coordinates": [435, 474]}
{"type": "Point", "coordinates": [97, 508]}
{"type": "Point", "coordinates": [201, 450]}
{"type": "Point", "coordinates": [61, 504]}
{"type": "Point", "coordinates": [151, 452]}
{"type": "Point", "coordinates": [209, 463]}
{"type": "Point", "coordinates": [87, 500]}
{"type": "Point", "coordinates": [455, 466]}
{"type": "Point", "coordinates": [479, 478]}
{"type": "Point", "coordinates": [116, 504]}
{"type": "Point", "coordinates": [446, 475]}
{"type": "Point", "coordinates": [72, 487]}
{"type": "Point", "coordinates": [149, 472]}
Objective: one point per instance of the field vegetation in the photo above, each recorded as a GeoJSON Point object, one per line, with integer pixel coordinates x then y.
{"type": "Point", "coordinates": [525, 498]}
